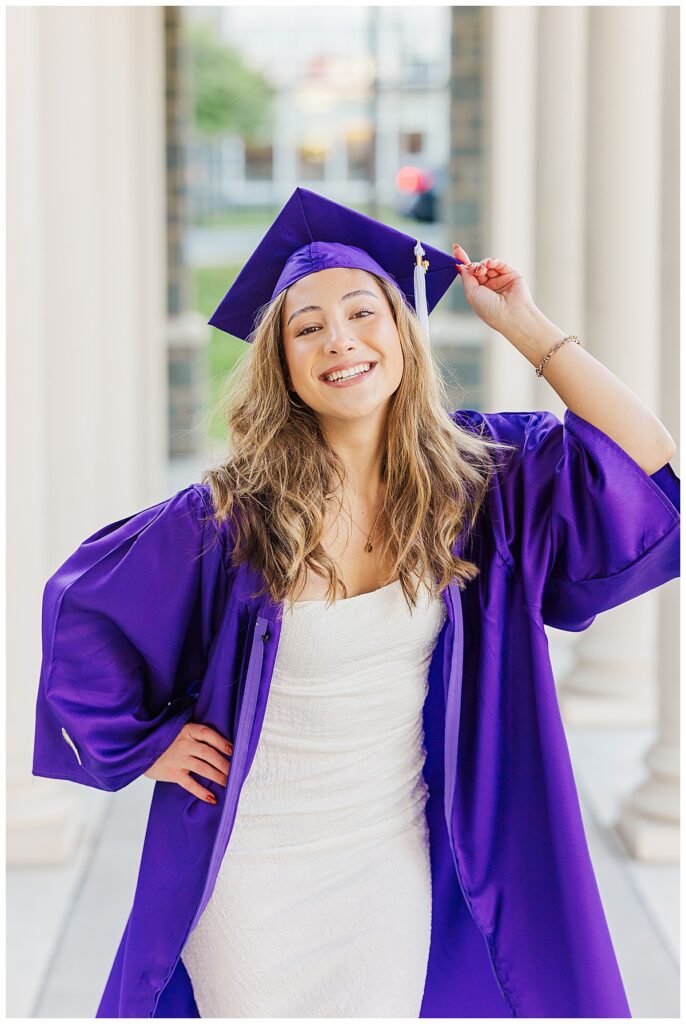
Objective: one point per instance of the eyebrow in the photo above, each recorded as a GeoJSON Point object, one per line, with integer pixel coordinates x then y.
{"type": "Point", "coordinates": [348, 295]}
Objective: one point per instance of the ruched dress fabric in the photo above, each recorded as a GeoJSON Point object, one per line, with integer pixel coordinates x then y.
{"type": "Point", "coordinates": [322, 904]}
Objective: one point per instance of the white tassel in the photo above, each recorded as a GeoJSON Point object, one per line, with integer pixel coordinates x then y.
{"type": "Point", "coordinates": [420, 305]}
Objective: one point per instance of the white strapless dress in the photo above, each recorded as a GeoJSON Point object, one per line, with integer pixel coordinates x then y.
{"type": "Point", "coordinates": [322, 904]}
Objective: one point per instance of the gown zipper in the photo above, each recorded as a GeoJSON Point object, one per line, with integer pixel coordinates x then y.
{"type": "Point", "coordinates": [228, 813]}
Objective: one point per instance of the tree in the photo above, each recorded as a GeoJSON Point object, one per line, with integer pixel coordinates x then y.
{"type": "Point", "coordinates": [229, 97]}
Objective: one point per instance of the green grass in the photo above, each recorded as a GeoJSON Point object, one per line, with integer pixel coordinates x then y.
{"type": "Point", "coordinates": [210, 284]}
{"type": "Point", "coordinates": [260, 216]}
{"type": "Point", "coordinates": [248, 216]}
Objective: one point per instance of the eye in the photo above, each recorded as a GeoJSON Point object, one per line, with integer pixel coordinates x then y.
{"type": "Point", "coordinates": [307, 330]}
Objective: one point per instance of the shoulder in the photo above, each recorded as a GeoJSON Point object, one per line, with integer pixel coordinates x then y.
{"type": "Point", "coordinates": [516, 427]}
{"type": "Point", "coordinates": [193, 502]}
{"type": "Point", "coordinates": [199, 499]}
{"type": "Point", "coordinates": [185, 516]}
{"type": "Point", "coordinates": [189, 499]}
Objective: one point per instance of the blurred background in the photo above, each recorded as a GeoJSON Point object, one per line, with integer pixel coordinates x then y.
{"type": "Point", "coordinates": [149, 148]}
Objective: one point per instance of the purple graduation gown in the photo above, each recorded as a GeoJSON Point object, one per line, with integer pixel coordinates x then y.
{"type": "Point", "coordinates": [148, 624]}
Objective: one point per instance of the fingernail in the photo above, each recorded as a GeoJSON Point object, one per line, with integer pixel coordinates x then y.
{"type": "Point", "coordinates": [228, 748]}
{"type": "Point", "coordinates": [211, 799]}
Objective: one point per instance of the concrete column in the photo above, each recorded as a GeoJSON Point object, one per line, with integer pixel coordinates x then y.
{"type": "Point", "coordinates": [560, 196]}
{"type": "Point", "coordinates": [614, 679]}
{"type": "Point", "coordinates": [649, 822]}
{"type": "Point", "coordinates": [466, 195]}
{"type": "Point", "coordinates": [188, 334]}
{"type": "Point", "coordinates": [559, 186]}
{"type": "Point", "coordinates": [509, 111]}
{"type": "Point", "coordinates": [36, 815]}
{"type": "Point", "coordinates": [86, 323]}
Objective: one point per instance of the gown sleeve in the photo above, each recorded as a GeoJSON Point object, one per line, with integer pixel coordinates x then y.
{"type": "Point", "coordinates": [583, 523]}
{"type": "Point", "coordinates": [126, 627]}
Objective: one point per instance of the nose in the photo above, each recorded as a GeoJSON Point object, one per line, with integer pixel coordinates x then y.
{"type": "Point", "coordinates": [338, 336]}
{"type": "Point", "coordinates": [340, 344]}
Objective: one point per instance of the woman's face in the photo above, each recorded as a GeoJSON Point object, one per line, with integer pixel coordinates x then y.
{"type": "Point", "coordinates": [341, 317]}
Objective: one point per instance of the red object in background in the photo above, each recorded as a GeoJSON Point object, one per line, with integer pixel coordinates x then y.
{"type": "Point", "coordinates": [413, 180]}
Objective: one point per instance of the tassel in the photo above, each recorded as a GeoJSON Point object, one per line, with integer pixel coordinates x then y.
{"type": "Point", "coordinates": [420, 304]}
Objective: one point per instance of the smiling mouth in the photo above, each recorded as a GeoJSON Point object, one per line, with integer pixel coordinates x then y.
{"type": "Point", "coordinates": [350, 379]}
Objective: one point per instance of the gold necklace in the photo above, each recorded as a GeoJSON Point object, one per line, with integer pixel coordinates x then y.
{"type": "Point", "coordinates": [368, 546]}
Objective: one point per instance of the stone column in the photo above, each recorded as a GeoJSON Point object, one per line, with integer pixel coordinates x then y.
{"type": "Point", "coordinates": [37, 816]}
{"type": "Point", "coordinates": [86, 312]}
{"type": "Point", "coordinates": [470, 129]}
{"type": "Point", "coordinates": [614, 679]}
{"type": "Point", "coordinates": [559, 187]}
{"type": "Point", "coordinates": [649, 822]}
{"type": "Point", "coordinates": [510, 183]}
{"type": "Point", "coordinates": [558, 286]}
{"type": "Point", "coordinates": [188, 333]}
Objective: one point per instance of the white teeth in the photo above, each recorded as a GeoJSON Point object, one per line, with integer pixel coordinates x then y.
{"type": "Point", "coordinates": [353, 371]}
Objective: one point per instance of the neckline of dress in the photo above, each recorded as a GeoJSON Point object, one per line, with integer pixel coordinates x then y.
{"type": "Point", "coordinates": [347, 600]}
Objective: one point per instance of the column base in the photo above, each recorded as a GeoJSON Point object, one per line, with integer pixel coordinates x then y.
{"type": "Point", "coordinates": [44, 825]}
{"type": "Point", "coordinates": [600, 711]}
{"type": "Point", "coordinates": [648, 840]}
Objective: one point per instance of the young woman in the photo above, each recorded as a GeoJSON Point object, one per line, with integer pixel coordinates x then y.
{"type": "Point", "coordinates": [296, 649]}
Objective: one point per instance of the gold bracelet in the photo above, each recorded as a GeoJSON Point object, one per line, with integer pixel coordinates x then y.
{"type": "Point", "coordinates": [570, 337]}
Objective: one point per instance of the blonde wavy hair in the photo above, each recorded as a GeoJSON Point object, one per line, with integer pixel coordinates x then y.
{"type": "Point", "coordinates": [281, 472]}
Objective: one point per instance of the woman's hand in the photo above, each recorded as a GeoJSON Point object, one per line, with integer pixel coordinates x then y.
{"type": "Point", "coordinates": [494, 290]}
{"type": "Point", "coordinates": [197, 748]}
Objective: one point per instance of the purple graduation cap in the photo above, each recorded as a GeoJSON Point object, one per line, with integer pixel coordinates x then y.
{"type": "Point", "coordinates": [312, 233]}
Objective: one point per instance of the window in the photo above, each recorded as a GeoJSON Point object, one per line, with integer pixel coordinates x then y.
{"type": "Point", "coordinates": [311, 160]}
{"type": "Point", "coordinates": [411, 142]}
{"type": "Point", "coordinates": [359, 147]}
{"type": "Point", "coordinates": [259, 163]}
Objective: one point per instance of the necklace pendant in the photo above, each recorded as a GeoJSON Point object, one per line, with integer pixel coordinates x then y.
{"type": "Point", "coordinates": [368, 546]}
